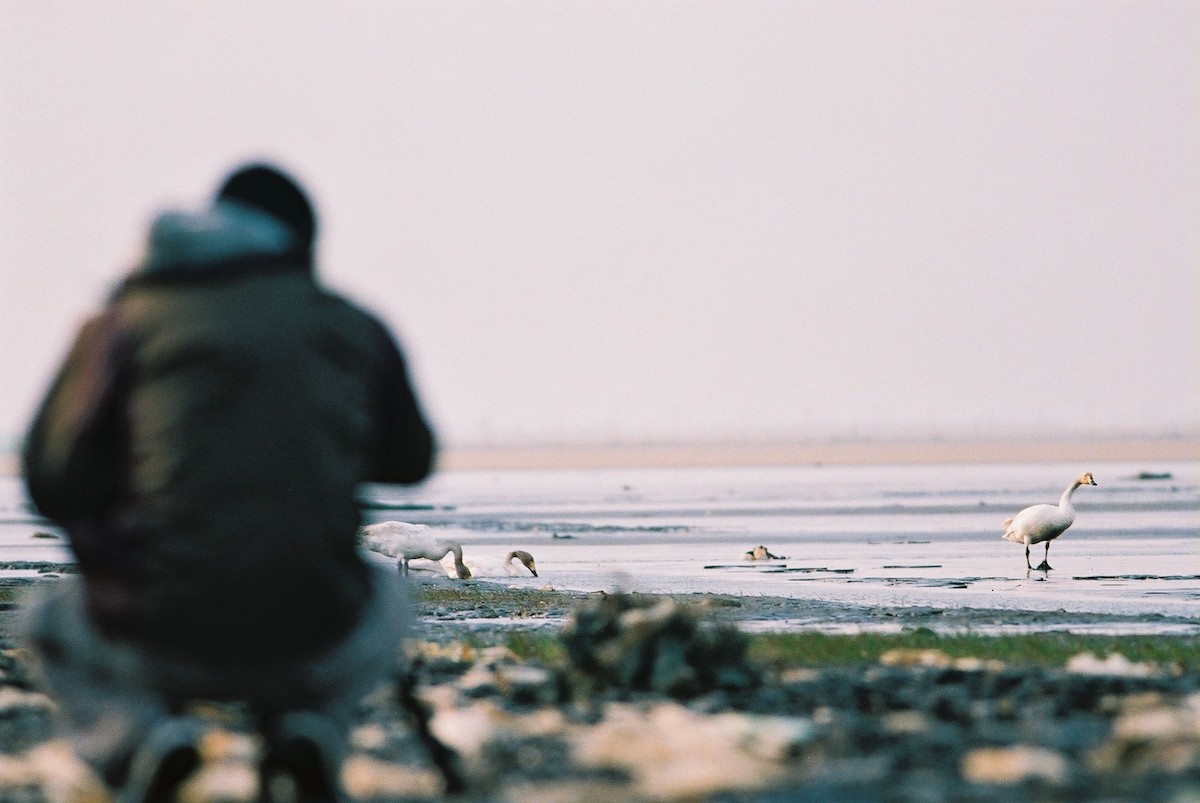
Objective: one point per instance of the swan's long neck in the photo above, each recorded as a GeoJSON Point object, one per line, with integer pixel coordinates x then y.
{"type": "Point", "coordinates": [459, 567]}
{"type": "Point", "coordinates": [1064, 503]}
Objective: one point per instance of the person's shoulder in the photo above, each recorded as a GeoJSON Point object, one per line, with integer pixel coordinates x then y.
{"type": "Point", "coordinates": [351, 315]}
{"type": "Point", "coordinates": [338, 304]}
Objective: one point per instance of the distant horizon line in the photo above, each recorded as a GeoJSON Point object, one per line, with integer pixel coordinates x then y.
{"type": "Point", "coordinates": [822, 451]}
{"type": "Point", "coordinates": [898, 434]}
{"type": "Point", "coordinates": [842, 449]}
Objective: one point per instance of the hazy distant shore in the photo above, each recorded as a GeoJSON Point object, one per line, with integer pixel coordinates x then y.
{"type": "Point", "coordinates": [822, 452]}
{"type": "Point", "coordinates": [804, 453]}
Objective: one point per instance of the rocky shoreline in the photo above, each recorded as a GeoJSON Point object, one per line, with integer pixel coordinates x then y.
{"type": "Point", "coordinates": [658, 702]}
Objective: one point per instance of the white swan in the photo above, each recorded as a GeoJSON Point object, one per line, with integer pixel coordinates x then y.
{"type": "Point", "coordinates": [509, 566]}
{"type": "Point", "coordinates": [399, 539]}
{"type": "Point", "coordinates": [1043, 523]}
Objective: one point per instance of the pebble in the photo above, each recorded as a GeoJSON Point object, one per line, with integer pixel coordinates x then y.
{"type": "Point", "coordinates": [1115, 665]}
{"type": "Point", "coordinates": [1013, 765]}
{"type": "Point", "coordinates": [670, 752]}
{"type": "Point", "coordinates": [50, 771]}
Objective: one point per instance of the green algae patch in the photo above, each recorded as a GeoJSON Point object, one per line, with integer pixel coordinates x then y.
{"type": "Point", "coordinates": [785, 650]}
{"type": "Point", "coordinates": [543, 648]}
{"type": "Point", "coordinates": [782, 651]}
{"type": "Point", "coordinates": [480, 601]}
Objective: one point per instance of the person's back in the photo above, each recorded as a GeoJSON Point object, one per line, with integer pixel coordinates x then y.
{"type": "Point", "coordinates": [255, 414]}
{"type": "Point", "coordinates": [230, 406]}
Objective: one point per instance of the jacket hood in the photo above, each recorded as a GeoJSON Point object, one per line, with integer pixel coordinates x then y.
{"type": "Point", "coordinates": [221, 239]}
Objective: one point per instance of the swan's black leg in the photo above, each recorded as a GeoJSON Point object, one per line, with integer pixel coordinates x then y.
{"type": "Point", "coordinates": [1045, 567]}
{"type": "Point", "coordinates": [1028, 565]}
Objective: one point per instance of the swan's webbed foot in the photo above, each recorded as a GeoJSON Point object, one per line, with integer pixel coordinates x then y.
{"type": "Point", "coordinates": [1044, 566]}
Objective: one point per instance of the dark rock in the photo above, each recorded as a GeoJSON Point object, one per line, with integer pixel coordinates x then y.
{"type": "Point", "coordinates": [655, 644]}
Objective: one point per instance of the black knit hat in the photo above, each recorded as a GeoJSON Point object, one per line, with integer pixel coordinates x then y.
{"type": "Point", "coordinates": [270, 189]}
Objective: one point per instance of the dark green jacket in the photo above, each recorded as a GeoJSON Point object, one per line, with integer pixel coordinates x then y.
{"type": "Point", "coordinates": [202, 446]}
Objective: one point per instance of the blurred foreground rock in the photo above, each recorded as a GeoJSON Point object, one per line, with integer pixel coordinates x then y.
{"type": "Point", "coordinates": [655, 644]}
{"type": "Point", "coordinates": [659, 703]}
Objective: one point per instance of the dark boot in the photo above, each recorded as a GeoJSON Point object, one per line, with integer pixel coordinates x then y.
{"type": "Point", "coordinates": [161, 763]}
{"type": "Point", "coordinates": [306, 748]}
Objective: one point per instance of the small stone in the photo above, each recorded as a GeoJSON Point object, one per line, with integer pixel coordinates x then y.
{"type": "Point", "coordinates": [672, 753]}
{"type": "Point", "coordinates": [53, 768]}
{"type": "Point", "coordinates": [225, 781]}
{"type": "Point", "coordinates": [369, 778]}
{"type": "Point", "coordinates": [1012, 765]}
{"type": "Point", "coordinates": [971, 664]}
{"type": "Point", "coordinates": [220, 745]}
{"type": "Point", "coordinates": [1159, 724]}
{"type": "Point", "coordinates": [1086, 663]}
{"type": "Point", "coordinates": [371, 736]}
{"type": "Point", "coordinates": [911, 657]}
{"type": "Point", "coordinates": [906, 722]}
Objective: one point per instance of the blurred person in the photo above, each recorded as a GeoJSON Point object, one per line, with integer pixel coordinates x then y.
{"type": "Point", "coordinates": [201, 446]}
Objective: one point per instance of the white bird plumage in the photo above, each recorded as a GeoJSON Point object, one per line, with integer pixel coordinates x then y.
{"type": "Point", "coordinates": [1038, 524]}
{"type": "Point", "coordinates": [405, 542]}
{"type": "Point", "coordinates": [510, 566]}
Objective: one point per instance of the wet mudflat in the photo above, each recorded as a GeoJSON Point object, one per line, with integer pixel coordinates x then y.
{"type": "Point", "coordinates": [886, 536]}
{"type": "Point", "coordinates": [862, 536]}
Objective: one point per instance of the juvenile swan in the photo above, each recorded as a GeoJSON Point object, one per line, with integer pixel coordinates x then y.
{"type": "Point", "coordinates": [761, 553]}
{"type": "Point", "coordinates": [398, 539]}
{"type": "Point", "coordinates": [509, 566]}
{"type": "Point", "coordinates": [1043, 523]}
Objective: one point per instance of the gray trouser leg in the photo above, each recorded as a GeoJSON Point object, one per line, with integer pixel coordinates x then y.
{"type": "Point", "coordinates": [112, 693]}
{"type": "Point", "coordinates": [105, 707]}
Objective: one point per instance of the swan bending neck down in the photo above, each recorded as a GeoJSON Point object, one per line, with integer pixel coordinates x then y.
{"type": "Point", "coordinates": [1043, 523]}
{"type": "Point", "coordinates": [510, 565]}
{"type": "Point", "coordinates": [404, 541]}
{"type": "Point", "coordinates": [440, 550]}
{"type": "Point", "coordinates": [524, 557]}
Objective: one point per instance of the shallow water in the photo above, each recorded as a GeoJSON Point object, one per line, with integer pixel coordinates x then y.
{"type": "Point", "coordinates": [882, 536]}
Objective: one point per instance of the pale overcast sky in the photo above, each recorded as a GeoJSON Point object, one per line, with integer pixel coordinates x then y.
{"type": "Point", "coordinates": [672, 220]}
